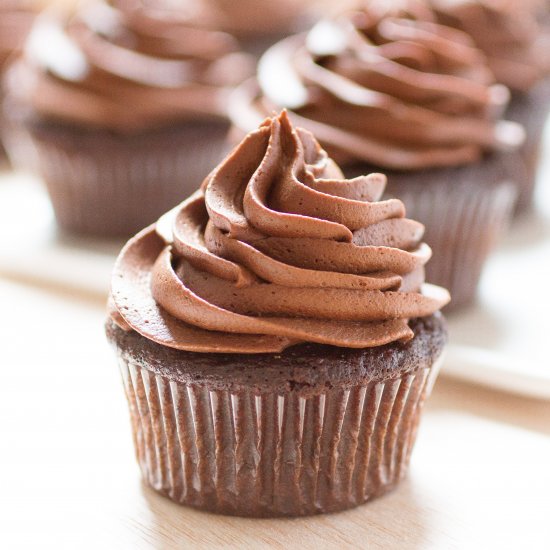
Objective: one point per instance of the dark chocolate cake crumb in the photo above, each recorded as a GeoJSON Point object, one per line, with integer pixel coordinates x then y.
{"type": "Point", "coordinates": [305, 368]}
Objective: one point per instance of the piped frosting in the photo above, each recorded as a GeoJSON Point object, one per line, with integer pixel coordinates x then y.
{"type": "Point", "coordinates": [277, 248]}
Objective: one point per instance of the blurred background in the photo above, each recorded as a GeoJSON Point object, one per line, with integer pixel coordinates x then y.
{"type": "Point", "coordinates": [74, 118]}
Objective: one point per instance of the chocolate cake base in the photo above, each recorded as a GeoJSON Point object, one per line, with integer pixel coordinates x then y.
{"type": "Point", "coordinates": [107, 184]}
{"type": "Point", "coordinates": [465, 210]}
{"type": "Point", "coordinates": [313, 429]}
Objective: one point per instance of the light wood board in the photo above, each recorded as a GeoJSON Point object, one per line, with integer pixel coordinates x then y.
{"type": "Point", "coordinates": [68, 477]}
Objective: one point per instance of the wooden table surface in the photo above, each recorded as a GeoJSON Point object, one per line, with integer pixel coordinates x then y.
{"type": "Point", "coordinates": [480, 475]}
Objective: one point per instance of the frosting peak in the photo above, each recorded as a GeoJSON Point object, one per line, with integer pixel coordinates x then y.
{"type": "Point", "coordinates": [277, 248]}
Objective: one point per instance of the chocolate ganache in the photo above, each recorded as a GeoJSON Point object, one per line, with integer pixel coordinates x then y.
{"type": "Point", "coordinates": [274, 249]}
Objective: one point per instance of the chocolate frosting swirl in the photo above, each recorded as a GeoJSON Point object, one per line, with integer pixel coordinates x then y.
{"type": "Point", "coordinates": [277, 248]}
{"type": "Point", "coordinates": [385, 88]}
{"type": "Point", "coordinates": [508, 32]}
{"type": "Point", "coordinates": [125, 66]}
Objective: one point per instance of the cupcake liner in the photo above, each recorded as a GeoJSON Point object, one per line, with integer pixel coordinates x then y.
{"type": "Point", "coordinates": [104, 184]}
{"type": "Point", "coordinates": [531, 110]}
{"type": "Point", "coordinates": [3, 154]}
{"type": "Point", "coordinates": [5, 160]}
{"type": "Point", "coordinates": [254, 453]}
{"type": "Point", "coordinates": [465, 211]}
{"type": "Point", "coordinates": [17, 145]}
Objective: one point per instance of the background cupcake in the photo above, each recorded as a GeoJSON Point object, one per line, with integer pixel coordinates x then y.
{"type": "Point", "coordinates": [516, 45]}
{"type": "Point", "coordinates": [275, 335]}
{"type": "Point", "coordinates": [387, 89]}
{"type": "Point", "coordinates": [16, 18]}
{"type": "Point", "coordinates": [256, 23]}
{"type": "Point", "coordinates": [124, 106]}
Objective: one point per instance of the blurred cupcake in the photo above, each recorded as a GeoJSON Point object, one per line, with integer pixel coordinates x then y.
{"type": "Point", "coordinates": [276, 339]}
{"type": "Point", "coordinates": [516, 46]}
{"type": "Point", "coordinates": [16, 18]}
{"type": "Point", "coordinates": [256, 23]}
{"type": "Point", "coordinates": [124, 106]}
{"type": "Point", "coordinates": [390, 91]}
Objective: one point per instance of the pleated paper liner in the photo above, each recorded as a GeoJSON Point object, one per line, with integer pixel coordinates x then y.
{"type": "Point", "coordinates": [465, 211]}
{"type": "Point", "coordinates": [108, 185]}
{"type": "Point", "coordinates": [273, 455]}
{"type": "Point", "coordinates": [530, 109]}
{"type": "Point", "coordinates": [246, 450]}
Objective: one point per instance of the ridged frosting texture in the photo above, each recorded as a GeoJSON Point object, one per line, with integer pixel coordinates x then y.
{"type": "Point", "coordinates": [387, 87]}
{"type": "Point", "coordinates": [276, 248]}
{"type": "Point", "coordinates": [16, 17]}
{"type": "Point", "coordinates": [126, 65]}
{"type": "Point", "coordinates": [508, 32]}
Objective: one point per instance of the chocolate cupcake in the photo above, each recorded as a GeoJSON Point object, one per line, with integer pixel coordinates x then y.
{"type": "Point", "coordinates": [516, 45]}
{"type": "Point", "coordinates": [16, 18]}
{"type": "Point", "coordinates": [123, 107]}
{"type": "Point", "coordinates": [276, 339]}
{"type": "Point", "coordinates": [389, 91]}
{"type": "Point", "coordinates": [256, 23]}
